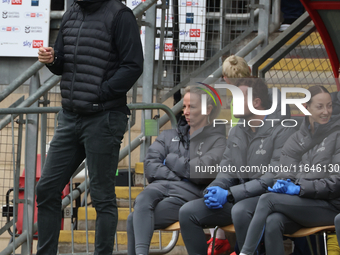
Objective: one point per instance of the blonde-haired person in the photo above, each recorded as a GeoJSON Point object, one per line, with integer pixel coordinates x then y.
{"type": "Point", "coordinates": [169, 166]}
{"type": "Point", "coordinates": [233, 67]}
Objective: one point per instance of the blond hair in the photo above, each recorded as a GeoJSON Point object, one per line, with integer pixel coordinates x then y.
{"type": "Point", "coordinates": [235, 67]}
{"type": "Point", "coordinates": [198, 90]}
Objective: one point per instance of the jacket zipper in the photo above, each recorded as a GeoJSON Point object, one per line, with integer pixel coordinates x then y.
{"type": "Point", "coordinates": [75, 59]}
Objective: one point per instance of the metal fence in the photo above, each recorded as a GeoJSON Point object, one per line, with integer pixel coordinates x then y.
{"type": "Point", "coordinates": [14, 196]}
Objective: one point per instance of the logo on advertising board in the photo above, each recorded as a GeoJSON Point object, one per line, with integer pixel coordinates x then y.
{"type": "Point", "coordinates": [38, 43]}
{"type": "Point", "coordinates": [10, 15]}
{"type": "Point", "coordinates": [34, 44]}
{"type": "Point", "coordinates": [136, 2]}
{"type": "Point", "coordinates": [168, 47]}
{"type": "Point", "coordinates": [34, 15]}
{"type": "Point", "coordinates": [34, 29]}
{"type": "Point", "coordinates": [189, 47]}
{"type": "Point", "coordinates": [189, 18]}
{"type": "Point", "coordinates": [183, 32]}
{"type": "Point", "coordinates": [168, 33]}
{"type": "Point", "coordinates": [16, 2]}
{"type": "Point", "coordinates": [190, 3]}
{"type": "Point", "coordinates": [195, 32]}
{"type": "Point", "coordinates": [9, 29]}
{"type": "Point", "coordinates": [6, 1]}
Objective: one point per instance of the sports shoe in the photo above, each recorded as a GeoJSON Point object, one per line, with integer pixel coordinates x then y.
{"type": "Point", "coordinates": [221, 246]}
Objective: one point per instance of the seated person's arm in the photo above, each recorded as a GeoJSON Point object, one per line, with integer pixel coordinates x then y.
{"type": "Point", "coordinates": [154, 166]}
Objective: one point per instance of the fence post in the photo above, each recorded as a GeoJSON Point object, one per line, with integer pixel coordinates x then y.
{"type": "Point", "coordinates": [148, 74]}
{"type": "Point", "coordinates": [32, 123]}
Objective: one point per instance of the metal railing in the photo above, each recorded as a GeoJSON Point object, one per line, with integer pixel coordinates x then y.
{"type": "Point", "coordinates": [32, 124]}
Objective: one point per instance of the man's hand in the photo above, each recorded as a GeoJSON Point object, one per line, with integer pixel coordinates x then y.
{"type": "Point", "coordinates": [46, 55]}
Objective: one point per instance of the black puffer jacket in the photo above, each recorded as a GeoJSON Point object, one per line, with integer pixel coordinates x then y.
{"type": "Point", "coordinates": [99, 55]}
{"type": "Point", "coordinates": [260, 149]}
{"type": "Point", "coordinates": [318, 169]}
{"type": "Point", "coordinates": [182, 151]}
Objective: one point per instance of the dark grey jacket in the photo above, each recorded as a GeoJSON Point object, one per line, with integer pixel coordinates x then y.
{"type": "Point", "coordinates": [246, 148]}
{"type": "Point", "coordinates": [320, 179]}
{"type": "Point", "coordinates": [206, 148]}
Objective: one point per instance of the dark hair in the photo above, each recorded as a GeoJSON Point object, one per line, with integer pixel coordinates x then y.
{"type": "Point", "coordinates": [314, 90]}
{"type": "Point", "coordinates": [260, 89]}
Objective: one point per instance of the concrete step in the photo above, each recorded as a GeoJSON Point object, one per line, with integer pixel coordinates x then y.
{"type": "Point", "coordinates": [123, 192]}
{"type": "Point", "coordinates": [123, 213]}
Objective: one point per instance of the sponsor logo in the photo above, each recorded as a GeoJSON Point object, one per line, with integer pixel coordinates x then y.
{"type": "Point", "coordinates": [195, 32]}
{"type": "Point", "coordinates": [34, 44]}
{"type": "Point", "coordinates": [189, 47]}
{"type": "Point", "coordinates": [9, 29]}
{"type": "Point", "coordinates": [27, 44]}
{"type": "Point", "coordinates": [8, 43]}
{"type": "Point", "coordinates": [34, 15]}
{"type": "Point", "coordinates": [168, 33]}
{"type": "Point", "coordinates": [38, 43]}
{"type": "Point", "coordinates": [136, 2]}
{"type": "Point", "coordinates": [190, 3]}
{"type": "Point", "coordinates": [183, 32]}
{"type": "Point", "coordinates": [168, 47]}
{"type": "Point", "coordinates": [35, 3]}
{"type": "Point", "coordinates": [6, 1]}
{"type": "Point", "coordinates": [175, 139]}
{"type": "Point", "coordinates": [16, 2]}
{"type": "Point", "coordinates": [189, 18]}
{"type": "Point", "coordinates": [34, 29]}
{"type": "Point", "coordinates": [10, 15]}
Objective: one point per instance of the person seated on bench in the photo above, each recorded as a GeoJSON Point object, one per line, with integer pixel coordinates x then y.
{"type": "Point", "coordinates": [168, 164]}
{"type": "Point", "coordinates": [233, 67]}
{"type": "Point", "coordinates": [312, 198]}
{"type": "Point", "coordinates": [247, 146]}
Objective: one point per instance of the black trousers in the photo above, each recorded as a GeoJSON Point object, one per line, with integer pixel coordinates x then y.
{"type": "Point", "coordinates": [96, 137]}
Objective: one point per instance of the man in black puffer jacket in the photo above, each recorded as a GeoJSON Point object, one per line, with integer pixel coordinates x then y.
{"type": "Point", "coordinates": [98, 52]}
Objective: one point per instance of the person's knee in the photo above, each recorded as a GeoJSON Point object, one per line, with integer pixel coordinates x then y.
{"type": "Point", "coordinates": [237, 213]}
{"type": "Point", "coordinates": [46, 192]}
{"type": "Point", "coordinates": [274, 224]}
{"type": "Point", "coordinates": [267, 198]}
{"type": "Point", "coordinates": [143, 202]}
{"type": "Point", "coordinates": [185, 213]}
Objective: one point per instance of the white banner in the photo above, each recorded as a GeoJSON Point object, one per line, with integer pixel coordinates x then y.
{"type": "Point", "coordinates": [191, 25]}
{"type": "Point", "coordinates": [24, 27]}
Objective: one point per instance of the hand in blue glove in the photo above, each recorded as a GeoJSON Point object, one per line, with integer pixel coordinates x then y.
{"type": "Point", "coordinates": [216, 197]}
{"type": "Point", "coordinates": [211, 203]}
{"type": "Point", "coordinates": [285, 187]}
{"type": "Point", "coordinates": [164, 162]}
{"type": "Point", "coordinates": [279, 186]}
{"type": "Point", "coordinates": [292, 189]}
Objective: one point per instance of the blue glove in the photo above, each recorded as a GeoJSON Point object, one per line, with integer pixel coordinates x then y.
{"type": "Point", "coordinates": [292, 189]}
{"type": "Point", "coordinates": [279, 186]}
{"type": "Point", "coordinates": [164, 162]}
{"type": "Point", "coordinates": [216, 197]}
